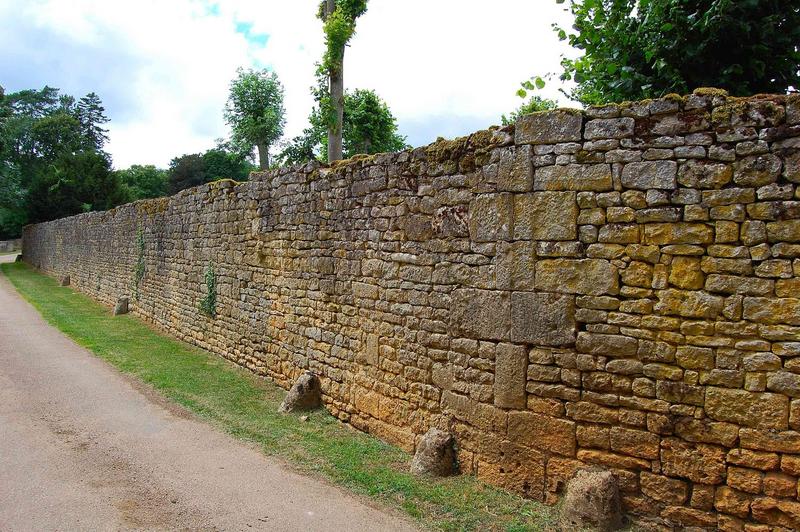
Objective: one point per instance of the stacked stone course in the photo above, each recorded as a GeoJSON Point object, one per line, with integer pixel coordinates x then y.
{"type": "Point", "coordinates": [617, 287]}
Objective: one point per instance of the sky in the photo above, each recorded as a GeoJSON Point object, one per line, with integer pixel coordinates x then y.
{"type": "Point", "coordinates": [163, 67]}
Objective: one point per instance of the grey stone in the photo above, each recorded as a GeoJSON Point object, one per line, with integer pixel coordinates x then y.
{"type": "Point", "coordinates": [785, 383]}
{"type": "Point", "coordinates": [757, 170]}
{"type": "Point", "coordinates": [481, 314]}
{"type": "Point", "coordinates": [305, 394]}
{"type": "Point", "coordinates": [121, 307]}
{"type": "Point", "coordinates": [591, 502]}
{"type": "Point", "coordinates": [510, 368]}
{"type": "Point", "coordinates": [609, 128]}
{"type": "Point", "coordinates": [549, 127]}
{"type": "Point", "coordinates": [64, 280]}
{"type": "Point", "coordinates": [650, 174]}
{"type": "Point", "coordinates": [435, 455]}
{"type": "Point", "coordinates": [543, 319]}
{"type": "Point", "coordinates": [580, 177]}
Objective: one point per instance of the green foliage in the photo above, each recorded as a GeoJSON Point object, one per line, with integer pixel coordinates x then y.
{"type": "Point", "coordinates": [369, 127]}
{"type": "Point", "coordinates": [208, 305]}
{"type": "Point", "coordinates": [339, 26]}
{"type": "Point", "coordinates": [72, 184]}
{"type": "Point", "coordinates": [198, 168]}
{"type": "Point", "coordinates": [142, 182]}
{"type": "Point", "coordinates": [51, 158]}
{"type": "Point", "coordinates": [533, 105]}
{"type": "Point", "coordinates": [635, 49]}
{"type": "Point", "coordinates": [138, 268]}
{"type": "Point", "coordinates": [255, 112]}
{"type": "Point", "coordinates": [246, 406]}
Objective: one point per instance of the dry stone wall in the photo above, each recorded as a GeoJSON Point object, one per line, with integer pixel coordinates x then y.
{"type": "Point", "coordinates": [618, 287]}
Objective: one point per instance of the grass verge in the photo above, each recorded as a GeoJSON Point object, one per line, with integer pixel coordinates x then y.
{"type": "Point", "coordinates": [246, 407]}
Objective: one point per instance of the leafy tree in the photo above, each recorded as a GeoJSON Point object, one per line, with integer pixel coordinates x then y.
{"type": "Point", "coordinates": [533, 105]}
{"type": "Point", "coordinates": [223, 164]}
{"type": "Point", "coordinates": [339, 25]}
{"type": "Point", "coordinates": [74, 183]}
{"type": "Point", "coordinates": [255, 112]}
{"type": "Point", "coordinates": [186, 171]}
{"type": "Point", "coordinates": [369, 127]}
{"type": "Point", "coordinates": [141, 182]}
{"type": "Point", "coordinates": [635, 49]}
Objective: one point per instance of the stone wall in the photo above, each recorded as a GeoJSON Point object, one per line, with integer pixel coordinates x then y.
{"type": "Point", "coordinates": [618, 287]}
{"type": "Point", "coordinates": [10, 245]}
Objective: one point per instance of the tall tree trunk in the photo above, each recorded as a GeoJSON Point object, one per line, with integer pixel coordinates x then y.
{"type": "Point", "coordinates": [336, 88]}
{"type": "Point", "coordinates": [263, 156]}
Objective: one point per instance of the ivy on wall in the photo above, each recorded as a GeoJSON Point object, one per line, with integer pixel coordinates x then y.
{"type": "Point", "coordinates": [208, 305]}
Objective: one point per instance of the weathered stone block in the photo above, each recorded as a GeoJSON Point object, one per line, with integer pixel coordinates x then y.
{"type": "Point", "coordinates": [545, 216]}
{"type": "Point", "coordinates": [664, 489]}
{"type": "Point", "coordinates": [609, 128]}
{"type": "Point", "coordinates": [490, 217]}
{"type": "Point", "coordinates": [435, 455]}
{"type": "Point", "coordinates": [757, 170]}
{"type": "Point", "coordinates": [697, 462]}
{"type": "Point", "coordinates": [772, 311]}
{"type": "Point", "coordinates": [542, 432]}
{"type": "Point", "coordinates": [697, 174]}
{"type": "Point", "coordinates": [511, 364]}
{"type": "Point", "coordinates": [785, 231]}
{"type": "Point", "coordinates": [678, 233]}
{"type": "Point", "coordinates": [757, 410]}
{"type": "Point", "coordinates": [515, 173]}
{"type": "Point", "coordinates": [579, 177]}
{"type": "Point", "coordinates": [543, 319]}
{"type": "Point", "coordinates": [591, 503]}
{"type": "Point", "coordinates": [650, 174]}
{"type": "Point", "coordinates": [586, 276]}
{"type": "Point", "coordinates": [482, 314]}
{"type": "Point", "coordinates": [549, 127]}
{"type": "Point", "coordinates": [689, 304]}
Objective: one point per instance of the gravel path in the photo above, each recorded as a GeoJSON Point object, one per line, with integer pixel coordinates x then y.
{"type": "Point", "coordinates": [83, 447]}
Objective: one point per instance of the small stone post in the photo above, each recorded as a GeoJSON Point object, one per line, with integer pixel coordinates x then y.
{"type": "Point", "coordinates": [121, 307]}
{"type": "Point", "coordinates": [436, 455]}
{"type": "Point", "coordinates": [591, 502]}
{"type": "Point", "coordinates": [305, 394]}
{"type": "Point", "coordinates": [64, 281]}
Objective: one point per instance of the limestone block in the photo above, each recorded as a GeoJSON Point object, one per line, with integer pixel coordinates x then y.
{"type": "Point", "coordinates": [549, 127]}
{"type": "Point", "coordinates": [685, 273]}
{"type": "Point", "coordinates": [689, 304]}
{"type": "Point", "coordinates": [579, 177]}
{"type": "Point", "coordinates": [481, 314]}
{"type": "Point", "coordinates": [64, 280]}
{"type": "Point", "coordinates": [785, 231]}
{"type": "Point", "coordinates": [545, 216]}
{"type": "Point", "coordinates": [777, 512]}
{"type": "Point", "coordinates": [516, 265]}
{"type": "Point", "coordinates": [650, 174]}
{"type": "Point", "coordinates": [697, 174]}
{"type": "Point", "coordinates": [664, 489]}
{"type": "Point", "coordinates": [772, 310]}
{"type": "Point", "coordinates": [749, 409]}
{"type": "Point", "coordinates": [542, 432]}
{"type": "Point", "coordinates": [591, 503]}
{"type": "Point", "coordinates": [609, 128]}
{"type": "Point", "coordinates": [515, 173]}
{"type": "Point", "coordinates": [757, 170]}
{"type": "Point", "coordinates": [697, 462]}
{"type": "Point", "coordinates": [511, 365]}
{"type": "Point", "coordinates": [678, 233]}
{"type": "Point", "coordinates": [490, 217]}
{"type": "Point", "coordinates": [543, 318]}
{"type": "Point", "coordinates": [585, 276]}
{"type": "Point", "coordinates": [733, 284]}
{"type": "Point", "coordinates": [784, 382]}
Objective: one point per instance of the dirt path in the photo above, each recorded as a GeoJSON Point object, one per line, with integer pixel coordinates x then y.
{"type": "Point", "coordinates": [82, 449]}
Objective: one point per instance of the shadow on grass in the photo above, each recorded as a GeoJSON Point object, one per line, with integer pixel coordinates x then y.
{"type": "Point", "coordinates": [246, 406]}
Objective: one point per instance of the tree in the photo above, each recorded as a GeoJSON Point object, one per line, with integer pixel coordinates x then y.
{"type": "Point", "coordinates": [255, 112]}
{"type": "Point", "coordinates": [635, 49]}
{"type": "Point", "coordinates": [224, 164]}
{"type": "Point", "coordinates": [186, 171]}
{"type": "Point", "coordinates": [533, 105]}
{"type": "Point", "coordinates": [368, 127]}
{"type": "Point", "coordinates": [339, 25]}
{"type": "Point", "coordinates": [141, 182]}
{"type": "Point", "coordinates": [90, 114]}
{"type": "Point", "coordinates": [72, 184]}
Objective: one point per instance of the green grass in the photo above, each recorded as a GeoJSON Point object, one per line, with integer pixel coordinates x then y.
{"type": "Point", "coordinates": [246, 407]}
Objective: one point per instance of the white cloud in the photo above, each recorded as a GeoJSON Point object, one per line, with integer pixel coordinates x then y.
{"type": "Point", "coordinates": [163, 67]}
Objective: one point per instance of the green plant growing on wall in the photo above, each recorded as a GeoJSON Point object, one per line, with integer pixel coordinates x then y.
{"type": "Point", "coordinates": [138, 268]}
{"type": "Point", "coordinates": [208, 305]}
